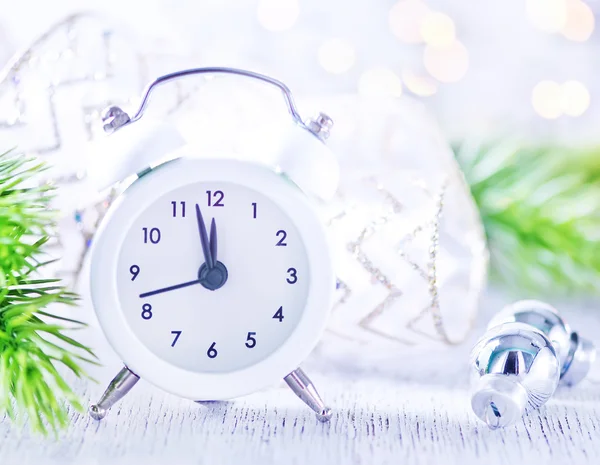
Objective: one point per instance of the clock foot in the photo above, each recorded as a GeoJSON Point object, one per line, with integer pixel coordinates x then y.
{"type": "Point", "coordinates": [303, 387]}
{"type": "Point", "coordinates": [116, 390]}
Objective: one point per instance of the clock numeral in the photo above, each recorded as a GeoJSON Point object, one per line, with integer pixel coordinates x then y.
{"type": "Point", "coordinates": [212, 352]}
{"type": "Point", "coordinates": [279, 314]}
{"type": "Point", "coordinates": [177, 334]}
{"type": "Point", "coordinates": [215, 199]}
{"type": "Point", "coordinates": [146, 311]}
{"type": "Point", "coordinates": [283, 235]}
{"type": "Point", "coordinates": [134, 270]}
{"type": "Point", "coordinates": [250, 340]}
{"type": "Point", "coordinates": [292, 278]}
{"type": "Point", "coordinates": [182, 205]}
{"type": "Point", "coordinates": [153, 235]}
{"type": "Point", "coordinates": [254, 210]}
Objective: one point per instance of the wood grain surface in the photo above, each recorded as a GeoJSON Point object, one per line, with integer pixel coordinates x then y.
{"type": "Point", "coordinates": [412, 408]}
{"type": "Point", "coordinates": [375, 421]}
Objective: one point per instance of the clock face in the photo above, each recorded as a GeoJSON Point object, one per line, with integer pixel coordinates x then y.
{"type": "Point", "coordinates": [212, 298]}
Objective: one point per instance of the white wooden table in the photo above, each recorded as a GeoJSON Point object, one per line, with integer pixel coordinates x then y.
{"type": "Point", "coordinates": [420, 416]}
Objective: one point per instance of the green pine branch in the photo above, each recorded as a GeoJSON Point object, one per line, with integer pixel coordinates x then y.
{"type": "Point", "coordinates": [33, 339]}
{"type": "Point", "coordinates": [541, 210]}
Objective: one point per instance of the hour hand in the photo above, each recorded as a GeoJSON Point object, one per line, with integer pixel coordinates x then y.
{"type": "Point", "coordinates": [206, 249]}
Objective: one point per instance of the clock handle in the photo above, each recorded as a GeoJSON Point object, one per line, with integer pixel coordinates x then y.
{"type": "Point", "coordinates": [305, 160]}
{"type": "Point", "coordinates": [303, 387]}
{"type": "Point", "coordinates": [116, 118]}
{"type": "Point", "coordinates": [116, 390]}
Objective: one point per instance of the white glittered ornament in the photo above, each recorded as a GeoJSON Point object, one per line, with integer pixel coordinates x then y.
{"type": "Point", "coordinates": [407, 238]}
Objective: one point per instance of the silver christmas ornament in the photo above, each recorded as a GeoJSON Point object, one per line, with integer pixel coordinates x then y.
{"type": "Point", "coordinates": [576, 354]}
{"type": "Point", "coordinates": [514, 368]}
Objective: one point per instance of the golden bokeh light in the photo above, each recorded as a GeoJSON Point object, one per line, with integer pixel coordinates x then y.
{"type": "Point", "coordinates": [547, 15]}
{"type": "Point", "coordinates": [546, 99]}
{"type": "Point", "coordinates": [405, 19]}
{"type": "Point", "coordinates": [336, 56]}
{"type": "Point", "coordinates": [438, 29]}
{"type": "Point", "coordinates": [380, 82]}
{"type": "Point", "coordinates": [277, 15]}
{"type": "Point", "coordinates": [575, 98]}
{"type": "Point", "coordinates": [421, 85]}
{"type": "Point", "coordinates": [447, 64]}
{"type": "Point", "coordinates": [580, 21]}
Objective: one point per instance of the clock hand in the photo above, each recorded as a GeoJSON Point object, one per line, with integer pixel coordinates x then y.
{"type": "Point", "coordinates": [212, 274]}
{"type": "Point", "coordinates": [170, 288]}
{"type": "Point", "coordinates": [213, 240]}
{"type": "Point", "coordinates": [208, 258]}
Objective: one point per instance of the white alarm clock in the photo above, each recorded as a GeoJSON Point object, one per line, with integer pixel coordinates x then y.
{"type": "Point", "coordinates": [211, 277]}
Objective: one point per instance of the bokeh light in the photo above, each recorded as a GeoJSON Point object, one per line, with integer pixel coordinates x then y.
{"type": "Point", "coordinates": [547, 15]}
{"type": "Point", "coordinates": [575, 98]}
{"type": "Point", "coordinates": [438, 29]}
{"type": "Point", "coordinates": [277, 15]}
{"type": "Point", "coordinates": [336, 56]}
{"type": "Point", "coordinates": [406, 18]}
{"type": "Point", "coordinates": [418, 84]}
{"type": "Point", "coordinates": [547, 99]}
{"type": "Point", "coordinates": [380, 82]}
{"type": "Point", "coordinates": [447, 64]}
{"type": "Point", "coordinates": [580, 21]}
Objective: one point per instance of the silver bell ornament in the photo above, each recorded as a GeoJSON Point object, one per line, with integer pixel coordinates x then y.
{"type": "Point", "coordinates": [576, 354]}
{"type": "Point", "coordinates": [514, 368]}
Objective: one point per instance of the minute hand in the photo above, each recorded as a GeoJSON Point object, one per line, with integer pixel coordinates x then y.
{"type": "Point", "coordinates": [213, 241]}
{"type": "Point", "coordinates": [170, 288]}
{"type": "Point", "coordinates": [208, 258]}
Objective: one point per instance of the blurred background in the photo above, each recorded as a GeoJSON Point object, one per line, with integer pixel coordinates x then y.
{"type": "Point", "coordinates": [481, 67]}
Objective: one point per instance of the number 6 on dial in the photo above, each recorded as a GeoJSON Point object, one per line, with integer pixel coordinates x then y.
{"type": "Point", "coordinates": [212, 352]}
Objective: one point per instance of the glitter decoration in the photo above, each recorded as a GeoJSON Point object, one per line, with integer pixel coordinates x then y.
{"type": "Point", "coordinates": [407, 239]}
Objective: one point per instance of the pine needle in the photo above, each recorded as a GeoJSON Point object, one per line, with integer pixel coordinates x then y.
{"type": "Point", "coordinates": [541, 210]}
{"type": "Point", "coordinates": [31, 385]}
